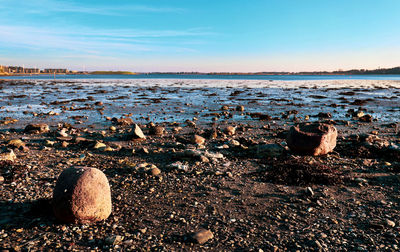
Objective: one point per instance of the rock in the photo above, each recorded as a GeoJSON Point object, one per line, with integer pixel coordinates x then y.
{"type": "Point", "coordinates": [155, 171]}
{"type": "Point", "coordinates": [113, 128]}
{"type": "Point", "coordinates": [390, 223]}
{"type": "Point", "coordinates": [16, 143]}
{"type": "Point", "coordinates": [8, 155]}
{"type": "Point", "coordinates": [137, 133]}
{"type": "Point", "coordinates": [1, 179]}
{"type": "Point", "coordinates": [196, 139]}
{"type": "Point", "coordinates": [225, 108]}
{"type": "Point", "coordinates": [365, 118]}
{"type": "Point", "coordinates": [309, 191]}
{"type": "Point", "coordinates": [190, 123]}
{"type": "Point", "coordinates": [240, 108]}
{"type": "Point", "coordinates": [37, 128]}
{"type": "Point", "coordinates": [312, 139]}
{"type": "Point", "coordinates": [202, 236]}
{"type": "Point", "coordinates": [122, 121]}
{"type": "Point", "coordinates": [230, 130]}
{"type": "Point", "coordinates": [99, 145]}
{"type": "Point", "coordinates": [63, 133]}
{"type": "Point", "coordinates": [157, 130]}
{"type": "Point", "coordinates": [49, 143]}
{"type": "Point", "coordinates": [82, 195]}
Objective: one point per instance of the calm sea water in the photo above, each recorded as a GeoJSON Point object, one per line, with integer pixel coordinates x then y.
{"type": "Point", "coordinates": [217, 77]}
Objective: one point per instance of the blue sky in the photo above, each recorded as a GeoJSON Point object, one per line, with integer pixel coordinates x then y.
{"type": "Point", "coordinates": [200, 35]}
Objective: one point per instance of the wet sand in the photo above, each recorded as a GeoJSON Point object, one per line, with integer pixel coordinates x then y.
{"type": "Point", "coordinates": [249, 199]}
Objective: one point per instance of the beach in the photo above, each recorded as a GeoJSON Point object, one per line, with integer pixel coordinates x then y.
{"type": "Point", "coordinates": [240, 181]}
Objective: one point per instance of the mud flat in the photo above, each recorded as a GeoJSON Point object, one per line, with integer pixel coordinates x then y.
{"type": "Point", "coordinates": [235, 186]}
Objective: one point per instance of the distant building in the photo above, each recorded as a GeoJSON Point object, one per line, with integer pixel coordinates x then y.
{"type": "Point", "coordinates": [15, 69]}
{"type": "Point", "coordinates": [32, 70]}
{"type": "Point", "coordinates": [50, 71]}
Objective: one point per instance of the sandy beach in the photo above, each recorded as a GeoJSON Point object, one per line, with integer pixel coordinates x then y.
{"type": "Point", "coordinates": [241, 181]}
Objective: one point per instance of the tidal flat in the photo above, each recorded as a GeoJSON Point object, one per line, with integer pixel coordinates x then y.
{"type": "Point", "coordinates": [241, 182]}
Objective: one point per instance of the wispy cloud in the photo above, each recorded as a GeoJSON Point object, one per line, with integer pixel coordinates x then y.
{"type": "Point", "coordinates": [47, 7]}
{"type": "Point", "coordinates": [93, 41]}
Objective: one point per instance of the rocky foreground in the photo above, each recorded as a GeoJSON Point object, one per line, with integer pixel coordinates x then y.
{"type": "Point", "coordinates": [219, 184]}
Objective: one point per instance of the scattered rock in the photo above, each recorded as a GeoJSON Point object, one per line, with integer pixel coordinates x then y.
{"type": "Point", "coordinates": [82, 195]}
{"type": "Point", "coordinates": [16, 143]}
{"type": "Point", "coordinates": [157, 130]}
{"type": "Point", "coordinates": [230, 130]}
{"type": "Point", "coordinates": [137, 133]}
{"type": "Point", "coordinates": [196, 139]}
{"type": "Point", "coordinates": [202, 236]}
{"type": "Point", "coordinates": [312, 139]}
{"type": "Point", "coordinates": [7, 155]}
{"type": "Point", "coordinates": [37, 128]}
{"type": "Point", "coordinates": [240, 108]}
{"type": "Point", "coordinates": [125, 121]}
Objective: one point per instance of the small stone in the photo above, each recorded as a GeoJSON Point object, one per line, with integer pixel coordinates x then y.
{"type": "Point", "coordinates": [390, 223]}
{"type": "Point", "coordinates": [113, 128]}
{"type": "Point", "coordinates": [137, 133]}
{"type": "Point", "coordinates": [37, 128]}
{"type": "Point", "coordinates": [230, 130]}
{"type": "Point", "coordinates": [17, 143]}
{"type": "Point", "coordinates": [202, 236]}
{"type": "Point", "coordinates": [122, 121]}
{"type": "Point", "coordinates": [99, 145]}
{"type": "Point", "coordinates": [196, 139]}
{"type": "Point", "coordinates": [8, 155]}
{"type": "Point", "coordinates": [240, 108]}
{"type": "Point", "coordinates": [155, 171]}
{"type": "Point", "coordinates": [1, 179]}
{"type": "Point", "coordinates": [47, 142]}
{"type": "Point", "coordinates": [157, 130]}
{"type": "Point", "coordinates": [309, 191]}
{"type": "Point", "coordinates": [63, 133]}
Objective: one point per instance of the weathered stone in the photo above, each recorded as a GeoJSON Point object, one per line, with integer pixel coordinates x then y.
{"type": "Point", "coordinates": [202, 236]}
{"type": "Point", "coordinates": [155, 171]}
{"type": "Point", "coordinates": [157, 130]}
{"type": "Point", "coordinates": [240, 108]}
{"type": "Point", "coordinates": [137, 133]}
{"type": "Point", "coordinates": [8, 155]}
{"type": "Point", "coordinates": [16, 143]}
{"type": "Point", "coordinates": [99, 145]}
{"type": "Point", "coordinates": [37, 128]}
{"type": "Point", "coordinates": [196, 139]}
{"type": "Point", "coordinates": [82, 195]}
{"type": "Point", "coordinates": [125, 121]}
{"type": "Point", "coordinates": [230, 130]}
{"type": "Point", "coordinates": [312, 139]}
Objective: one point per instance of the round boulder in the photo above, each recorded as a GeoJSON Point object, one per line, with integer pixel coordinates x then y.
{"type": "Point", "coordinates": [82, 195]}
{"type": "Point", "coordinates": [312, 139]}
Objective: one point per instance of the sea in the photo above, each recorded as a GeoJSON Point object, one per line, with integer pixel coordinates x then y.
{"type": "Point", "coordinates": [207, 76]}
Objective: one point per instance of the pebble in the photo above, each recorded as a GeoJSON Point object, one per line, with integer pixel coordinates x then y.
{"type": "Point", "coordinates": [202, 236]}
{"type": "Point", "coordinates": [196, 139]}
{"type": "Point", "coordinates": [137, 132]}
{"type": "Point", "coordinates": [390, 223]}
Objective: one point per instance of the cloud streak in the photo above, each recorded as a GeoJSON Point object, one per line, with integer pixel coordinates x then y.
{"type": "Point", "coordinates": [54, 7]}
{"type": "Point", "coordinates": [92, 41]}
